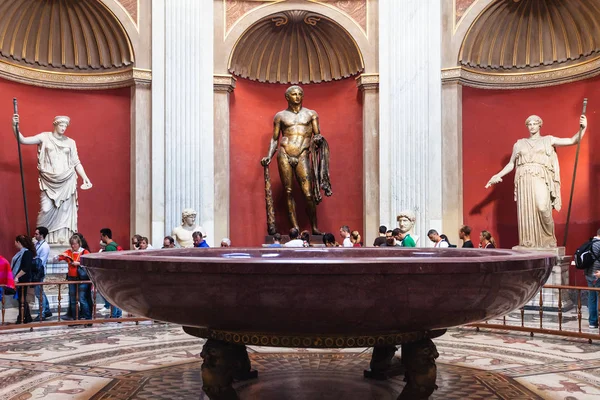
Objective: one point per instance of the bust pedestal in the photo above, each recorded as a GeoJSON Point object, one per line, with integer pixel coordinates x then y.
{"type": "Point", "coordinates": [559, 276]}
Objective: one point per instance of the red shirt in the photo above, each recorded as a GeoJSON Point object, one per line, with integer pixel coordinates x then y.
{"type": "Point", "coordinates": [71, 256]}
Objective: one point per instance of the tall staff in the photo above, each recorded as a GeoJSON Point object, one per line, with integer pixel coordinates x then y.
{"type": "Point", "coordinates": [18, 134]}
{"type": "Point", "coordinates": [574, 175]}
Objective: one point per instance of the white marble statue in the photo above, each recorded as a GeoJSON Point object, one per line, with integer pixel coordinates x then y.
{"type": "Point", "coordinates": [58, 166]}
{"type": "Point", "coordinates": [183, 233]}
{"type": "Point", "coordinates": [406, 223]}
{"type": "Point", "coordinates": [537, 182]}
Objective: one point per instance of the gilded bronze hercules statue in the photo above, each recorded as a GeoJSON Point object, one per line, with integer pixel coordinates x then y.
{"type": "Point", "coordinates": [303, 153]}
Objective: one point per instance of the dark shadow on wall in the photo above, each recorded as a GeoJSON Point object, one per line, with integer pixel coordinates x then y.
{"type": "Point", "coordinates": [501, 196]}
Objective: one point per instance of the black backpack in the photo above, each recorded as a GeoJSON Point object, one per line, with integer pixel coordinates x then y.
{"type": "Point", "coordinates": [37, 270]}
{"type": "Point", "coordinates": [584, 255]}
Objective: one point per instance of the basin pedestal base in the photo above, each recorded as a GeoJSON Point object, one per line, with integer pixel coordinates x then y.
{"type": "Point", "coordinates": [226, 359]}
{"type": "Point", "coordinates": [223, 363]}
{"type": "Point", "coordinates": [417, 364]}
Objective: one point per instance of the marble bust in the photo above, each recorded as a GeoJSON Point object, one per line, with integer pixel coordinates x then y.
{"type": "Point", "coordinates": [406, 223]}
{"type": "Point", "coordinates": [58, 166]}
{"type": "Point", "coordinates": [183, 233]}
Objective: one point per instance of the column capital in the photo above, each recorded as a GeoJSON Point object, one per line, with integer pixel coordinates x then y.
{"type": "Point", "coordinates": [224, 83]}
{"type": "Point", "coordinates": [367, 81]}
{"type": "Point", "coordinates": [142, 77]}
{"type": "Point", "coordinates": [451, 75]}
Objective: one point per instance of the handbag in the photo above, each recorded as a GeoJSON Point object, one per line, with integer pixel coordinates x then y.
{"type": "Point", "coordinates": [82, 273]}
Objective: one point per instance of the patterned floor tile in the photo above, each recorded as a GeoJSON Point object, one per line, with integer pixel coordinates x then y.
{"type": "Point", "coordinates": [162, 362]}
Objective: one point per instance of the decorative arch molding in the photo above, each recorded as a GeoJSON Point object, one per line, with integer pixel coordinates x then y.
{"type": "Point", "coordinates": [295, 47]}
{"type": "Point", "coordinates": [513, 44]}
{"type": "Point", "coordinates": [366, 49]}
{"type": "Point", "coordinates": [92, 48]}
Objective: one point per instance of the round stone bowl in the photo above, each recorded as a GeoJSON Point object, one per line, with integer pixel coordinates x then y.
{"type": "Point", "coordinates": [319, 291]}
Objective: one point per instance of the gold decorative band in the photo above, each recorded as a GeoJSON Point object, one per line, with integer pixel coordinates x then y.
{"type": "Point", "coordinates": [81, 81]}
{"type": "Point", "coordinates": [523, 80]}
{"type": "Point", "coordinates": [312, 341]}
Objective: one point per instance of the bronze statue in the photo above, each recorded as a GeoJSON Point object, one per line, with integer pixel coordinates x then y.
{"type": "Point", "coordinates": [303, 153]}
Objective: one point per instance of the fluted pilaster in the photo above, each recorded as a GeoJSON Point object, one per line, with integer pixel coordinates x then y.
{"type": "Point", "coordinates": [183, 174]}
{"type": "Point", "coordinates": [410, 106]}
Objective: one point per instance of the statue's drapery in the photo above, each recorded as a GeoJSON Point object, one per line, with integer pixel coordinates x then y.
{"type": "Point", "coordinates": [537, 191]}
{"type": "Point", "coordinates": [57, 160]}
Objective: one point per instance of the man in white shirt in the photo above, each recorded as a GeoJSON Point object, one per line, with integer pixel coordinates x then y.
{"type": "Point", "coordinates": [294, 241]}
{"type": "Point", "coordinates": [345, 234]}
{"type": "Point", "coordinates": [43, 250]}
{"type": "Point", "coordinates": [435, 237]}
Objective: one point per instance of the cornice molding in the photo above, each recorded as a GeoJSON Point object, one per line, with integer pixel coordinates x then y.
{"type": "Point", "coordinates": [78, 81]}
{"type": "Point", "coordinates": [223, 83]}
{"type": "Point", "coordinates": [525, 80]}
{"type": "Point", "coordinates": [142, 77]}
{"type": "Point", "coordinates": [367, 82]}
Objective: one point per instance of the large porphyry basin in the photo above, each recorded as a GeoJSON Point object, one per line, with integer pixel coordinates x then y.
{"type": "Point", "coordinates": [319, 291]}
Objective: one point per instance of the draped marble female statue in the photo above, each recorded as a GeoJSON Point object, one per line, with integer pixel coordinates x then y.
{"type": "Point", "coordinates": [58, 166]}
{"type": "Point", "coordinates": [537, 182]}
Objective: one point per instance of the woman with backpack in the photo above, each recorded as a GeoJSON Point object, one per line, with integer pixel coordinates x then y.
{"type": "Point", "coordinates": [22, 269]}
{"type": "Point", "coordinates": [76, 273]}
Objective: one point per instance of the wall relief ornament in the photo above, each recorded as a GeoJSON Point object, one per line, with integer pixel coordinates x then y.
{"type": "Point", "coordinates": [460, 9]}
{"type": "Point", "coordinates": [236, 9]}
{"type": "Point", "coordinates": [131, 6]}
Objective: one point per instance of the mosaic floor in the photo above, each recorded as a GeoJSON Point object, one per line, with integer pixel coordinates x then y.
{"type": "Point", "coordinates": [153, 361]}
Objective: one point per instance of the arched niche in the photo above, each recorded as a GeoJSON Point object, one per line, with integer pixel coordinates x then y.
{"type": "Point", "coordinates": [367, 49]}
{"type": "Point", "coordinates": [295, 47]}
{"type": "Point", "coordinates": [68, 45]}
{"type": "Point", "coordinates": [508, 44]}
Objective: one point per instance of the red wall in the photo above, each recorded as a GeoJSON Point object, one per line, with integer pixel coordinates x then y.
{"type": "Point", "coordinates": [493, 121]}
{"type": "Point", "coordinates": [100, 126]}
{"type": "Point", "coordinates": [253, 106]}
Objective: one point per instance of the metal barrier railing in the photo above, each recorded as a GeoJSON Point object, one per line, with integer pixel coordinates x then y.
{"type": "Point", "coordinates": [23, 288]}
{"type": "Point", "coordinates": [560, 330]}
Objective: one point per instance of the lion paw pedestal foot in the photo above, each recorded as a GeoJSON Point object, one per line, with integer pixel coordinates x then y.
{"type": "Point", "coordinates": [421, 372]}
{"type": "Point", "coordinates": [223, 363]}
{"type": "Point", "coordinates": [383, 363]}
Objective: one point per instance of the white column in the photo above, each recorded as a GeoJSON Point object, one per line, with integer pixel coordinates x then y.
{"type": "Point", "coordinates": [410, 107]}
{"type": "Point", "coordinates": [183, 175]}
{"type": "Point", "coordinates": [369, 86]}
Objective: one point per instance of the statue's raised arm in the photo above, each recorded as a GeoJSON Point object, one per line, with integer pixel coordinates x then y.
{"type": "Point", "coordinates": [24, 140]}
